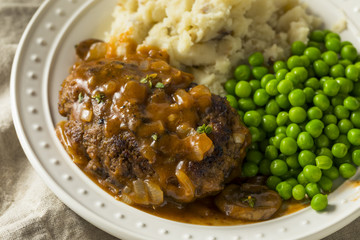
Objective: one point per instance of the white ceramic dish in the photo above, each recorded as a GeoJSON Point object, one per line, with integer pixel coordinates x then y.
{"type": "Point", "coordinates": [42, 61]}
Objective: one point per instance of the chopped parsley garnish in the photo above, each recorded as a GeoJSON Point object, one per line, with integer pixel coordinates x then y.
{"type": "Point", "coordinates": [159, 85]}
{"type": "Point", "coordinates": [81, 97]}
{"type": "Point", "coordinates": [148, 79]}
{"type": "Point", "coordinates": [250, 200]}
{"type": "Point", "coordinates": [204, 129]}
{"type": "Point", "coordinates": [99, 97]}
{"type": "Point", "coordinates": [154, 137]}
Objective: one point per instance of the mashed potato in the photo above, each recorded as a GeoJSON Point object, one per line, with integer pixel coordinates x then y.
{"type": "Point", "coordinates": [209, 38]}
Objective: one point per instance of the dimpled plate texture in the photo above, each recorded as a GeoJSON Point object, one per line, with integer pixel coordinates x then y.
{"type": "Point", "coordinates": [44, 56]}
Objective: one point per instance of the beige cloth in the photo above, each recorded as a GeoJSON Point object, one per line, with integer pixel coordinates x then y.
{"type": "Point", "coordinates": [28, 209]}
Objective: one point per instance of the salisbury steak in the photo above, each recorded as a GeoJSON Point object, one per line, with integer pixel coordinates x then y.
{"type": "Point", "coordinates": [146, 133]}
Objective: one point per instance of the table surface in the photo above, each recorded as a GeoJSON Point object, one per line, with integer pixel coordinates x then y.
{"type": "Point", "coordinates": [28, 209]}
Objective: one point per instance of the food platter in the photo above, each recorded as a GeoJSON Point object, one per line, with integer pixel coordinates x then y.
{"type": "Point", "coordinates": [44, 56]}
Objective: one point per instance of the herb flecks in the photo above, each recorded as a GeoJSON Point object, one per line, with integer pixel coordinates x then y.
{"type": "Point", "coordinates": [249, 200]}
{"type": "Point", "coordinates": [159, 85]}
{"type": "Point", "coordinates": [99, 97]}
{"type": "Point", "coordinates": [148, 79]}
{"type": "Point", "coordinates": [154, 137]}
{"type": "Point", "coordinates": [207, 129]}
{"type": "Point", "coordinates": [80, 97]}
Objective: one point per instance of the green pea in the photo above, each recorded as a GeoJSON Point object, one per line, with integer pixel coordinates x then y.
{"type": "Point", "coordinates": [285, 190]}
{"type": "Point", "coordinates": [263, 144]}
{"type": "Point", "coordinates": [314, 113]}
{"type": "Point", "coordinates": [306, 157]}
{"type": "Point", "coordinates": [333, 44]}
{"type": "Point", "coordinates": [321, 101]}
{"type": "Point", "coordinates": [337, 70]}
{"type": "Point", "coordinates": [278, 65]}
{"type": "Point", "coordinates": [293, 130]}
{"type": "Point", "coordinates": [292, 181]}
{"type": "Point", "coordinates": [332, 35]}
{"type": "Point", "coordinates": [317, 36]}
{"type": "Point", "coordinates": [243, 89]}
{"type": "Point", "coordinates": [345, 62]}
{"type": "Point", "coordinates": [259, 72]}
{"type": "Point", "coordinates": [255, 85]}
{"type": "Point", "coordinates": [331, 87]}
{"type": "Point", "coordinates": [351, 103]}
{"type": "Point", "coordinates": [321, 68]}
{"type": "Point", "coordinates": [300, 73]}
{"type": "Point", "coordinates": [266, 79]}
{"type": "Point", "coordinates": [312, 53]}
{"type": "Point", "coordinates": [314, 127]}
{"type": "Point", "coordinates": [315, 45]}
{"type": "Point", "coordinates": [355, 118]}
{"type": "Point", "coordinates": [298, 192]}
{"type": "Point", "coordinates": [254, 156]}
{"type": "Point", "coordinates": [249, 169]}
{"type": "Point", "coordinates": [297, 114]}
{"type": "Point", "coordinates": [278, 167]}
{"type": "Point", "coordinates": [349, 52]}
{"type": "Point", "coordinates": [323, 162]}
{"type": "Point", "coordinates": [306, 63]}
{"type": "Point", "coordinates": [325, 184]}
{"type": "Point", "coordinates": [272, 182]}
{"type": "Point", "coordinates": [332, 173]}
{"type": "Point", "coordinates": [261, 97]}
{"type": "Point", "coordinates": [272, 108]}
{"type": "Point", "coordinates": [324, 152]}
{"type": "Point", "coordinates": [352, 73]}
{"type": "Point", "coordinates": [264, 167]}
{"type": "Point", "coordinates": [341, 112]}
{"type": "Point", "coordinates": [312, 173]}
{"type": "Point", "coordinates": [339, 161]}
{"type": "Point", "coordinates": [271, 152]}
{"type": "Point", "coordinates": [347, 170]}
{"type": "Point", "coordinates": [330, 58]}
{"type": "Point", "coordinates": [246, 104]}
{"type": "Point", "coordinates": [302, 179]}
{"type": "Point", "coordinates": [298, 48]}
{"type": "Point", "coordinates": [345, 125]}
{"type": "Point", "coordinates": [313, 83]}
{"type": "Point", "coordinates": [354, 136]}
{"type": "Point", "coordinates": [319, 202]}
{"type": "Point", "coordinates": [256, 59]}
{"type": "Point", "coordinates": [230, 86]}
{"type": "Point", "coordinates": [332, 132]}
{"type": "Point", "coordinates": [343, 139]}
{"type": "Point", "coordinates": [242, 72]}
{"type": "Point", "coordinates": [232, 101]}
{"type": "Point", "coordinates": [280, 75]}
{"type": "Point", "coordinates": [293, 78]}
{"type": "Point", "coordinates": [282, 118]}
{"type": "Point", "coordinates": [277, 140]}
{"type": "Point", "coordinates": [288, 146]}
{"type": "Point", "coordinates": [282, 101]}
{"type": "Point", "coordinates": [356, 157]}
{"type": "Point", "coordinates": [305, 141]}
{"type": "Point", "coordinates": [252, 118]}
{"type": "Point", "coordinates": [294, 61]}
{"type": "Point", "coordinates": [297, 98]}
{"type": "Point", "coordinates": [269, 123]}
{"type": "Point", "coordinates": [257, 135]}
{"type": "Point", "coordinates": [312, 189]}
{"type": "Point", "coordinates": [329, 119]}
{"type": "Point", "coordinates": [280, 129]}
{"type": "Point", "coordinates": [292, 161]}
{"type": "Point", "coordinates": [346, 85]}
{"type": "Point", "coordinates": [322, 141]}
{"type": "Point", "coordinates": [241, 114]}
{"type": "Point", "coordinates": [285, 86]}
{"type": "Point", "coordinates": [309, 94]}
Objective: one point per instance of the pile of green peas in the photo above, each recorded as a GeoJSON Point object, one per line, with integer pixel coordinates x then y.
{"type": "Point", "coordinates": [303, 115]}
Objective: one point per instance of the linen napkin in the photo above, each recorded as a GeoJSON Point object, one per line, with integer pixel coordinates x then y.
{"type": "Point", "coordinates": [28, 209]}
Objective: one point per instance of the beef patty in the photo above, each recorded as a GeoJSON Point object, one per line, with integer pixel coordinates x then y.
{"type": "Point", "coordinates": [146, 133]}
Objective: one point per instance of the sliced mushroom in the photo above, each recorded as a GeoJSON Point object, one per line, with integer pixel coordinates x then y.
{"type": "Point", "coordinates": [250, 202]}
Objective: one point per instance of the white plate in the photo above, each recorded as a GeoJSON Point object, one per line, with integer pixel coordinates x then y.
{"type": "Point", "coordinates": [44, 56]}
